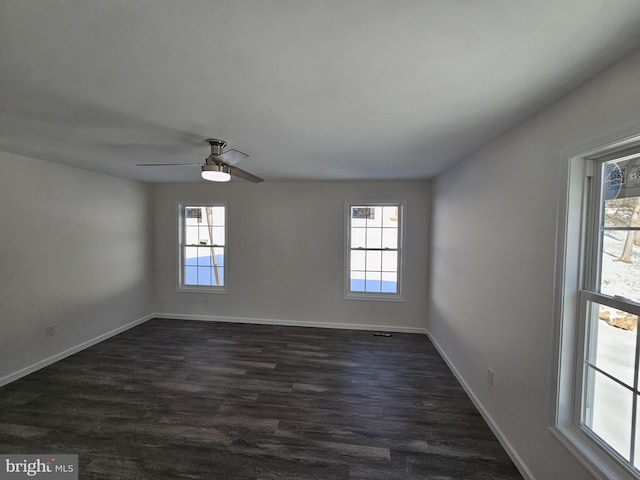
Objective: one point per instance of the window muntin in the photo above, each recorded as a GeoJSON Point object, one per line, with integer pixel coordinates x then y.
{"type": "Point", "coordinates": [202, 246]}
{"type": "Point", "coordinates": [609, 308]}
{"type": "Point", "coordinates": [374, 250]}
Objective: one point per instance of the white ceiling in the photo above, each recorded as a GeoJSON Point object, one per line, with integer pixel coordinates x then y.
{"type": "Point", "coordinates": [333, 89]}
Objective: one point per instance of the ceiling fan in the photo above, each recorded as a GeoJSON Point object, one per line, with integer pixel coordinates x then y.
{"type": "Point", "coordinates": [219, 166]}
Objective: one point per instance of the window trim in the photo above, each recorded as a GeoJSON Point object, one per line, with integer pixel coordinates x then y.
{"type": "Point", "coordinates": [572, 238]}
{"type": "Point", "coordinates": [180, 286]}
{"type": "Point", "coordinates": [375, 296]}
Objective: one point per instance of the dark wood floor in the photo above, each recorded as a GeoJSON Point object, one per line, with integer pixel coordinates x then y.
{"type": "Point", "coordinates": [176, 399]}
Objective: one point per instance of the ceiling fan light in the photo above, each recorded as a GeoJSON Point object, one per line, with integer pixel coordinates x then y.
{"type": "Point", "coordinates": [216, 173]}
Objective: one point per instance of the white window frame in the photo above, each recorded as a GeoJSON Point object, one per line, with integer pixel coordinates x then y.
{"type": "Point", "coordinates": [573, 264]}
{"type": "Point", "coordinates": [375, 296]}
{"type": "Point", "coordinates": [181, 286]}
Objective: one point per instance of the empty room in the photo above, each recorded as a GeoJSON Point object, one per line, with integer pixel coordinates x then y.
{"type": "Point", "coordinates": [350, 240]}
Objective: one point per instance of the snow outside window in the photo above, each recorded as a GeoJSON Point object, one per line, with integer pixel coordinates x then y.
{"type": "Point", "coordinates": [374, 251]}
{"type": "Point", "coordinates": [202, 247]}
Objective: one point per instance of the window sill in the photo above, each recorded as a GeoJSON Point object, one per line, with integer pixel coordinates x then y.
{"type": "Point", "coordinates": [201, 289]}
{"type": "Point", "coordinates": [377, 297]}
{"type": "Point", "coordinates": [592, 456]}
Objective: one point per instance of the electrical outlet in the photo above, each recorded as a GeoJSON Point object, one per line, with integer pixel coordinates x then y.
{"type": "Point", "coordinates": [372, 306]}
{"type": "Point", "coordinates": [206, 298]}
{"type": "Point", "coordinates": [490, 376]}
{"type": "Point", "coordinates": [50, 330]}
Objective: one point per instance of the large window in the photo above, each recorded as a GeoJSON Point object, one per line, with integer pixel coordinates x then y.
{"type": "Point", "coordinates": [202, 246]}
{"type": "Point", "coordinates": [374, 251]}
{"type": "Point", "coordinates": [598, 407]}
{"type": "Point", "coordinates": [610, 304]}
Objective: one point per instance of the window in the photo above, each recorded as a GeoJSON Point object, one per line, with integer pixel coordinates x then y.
{"type": "Point", "coordinates": [374, 251]}
{"type": "Point", "coordinates": [598, 401]}
{"type": "Point", "coordinates": [609, 306]}
{"type": "Point", "coordinates": [202, 247]}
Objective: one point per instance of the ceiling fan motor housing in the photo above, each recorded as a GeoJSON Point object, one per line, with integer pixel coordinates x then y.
{"type": "Point", "coordinates": [217, 146]}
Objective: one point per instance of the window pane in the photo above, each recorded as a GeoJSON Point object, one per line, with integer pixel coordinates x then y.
{"type": "Point", "coordinates": [389, 282]}
{"type": "Point", "coordinates": [390, 217]}
{"type": "Point", "coordinates": [218, 235]}
{"type": "Point", "coordinates": [390, 238]}
{"type": "Point", "coordinates": [217, 216]}
{"type": "Point", "coordinates": [191, 256]}
{"type": "Point", "coordinates": [390, 261]}
{"type": "Point", "coordinates": [203, 235]}
{"type": "Point", "coordinates": [204, 276]}
{"type": "Point", "coordinates": [359, 216]}
{"type": "Point", "coordinates": [619, 277]}
{"type": "Point", "coordinates": [191, 275]}
{"type": "Point", "coordinates": [193, 215]}
{"type": "Point", "coordinates": [620, 255]}
{"type": "Point", "coordinates": [608, 411]}
{"type": "Point", "coordinates": [375, 218]}
{"type": "Point", "coordinates": [219, 253]}
{"type": "Point", "coordinates": [357, 260]}
{"type": "Point", "coordinates": [618, 211]}
{"type": "Point", "coordinates": [373, 282]}
{"type": "Point", "coordinates": [374, 260]}
{"type": "Point", "coordinates": [374, 238]}
{"type": "Point", "coordinates": [219, 280]}
{"type": "Point", "coordinates": [358, 237]}
{"type": "Point", "coordinates": [204, 257]}
{"type": "Point", "coordinates": [191, 235]}
{"type": "Point", "coordinates": [612, 341]}
{"type": "Point", "coordinates": [357, 281]}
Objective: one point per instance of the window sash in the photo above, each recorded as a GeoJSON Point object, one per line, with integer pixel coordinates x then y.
{"type": "Point", "coordinates": [589, 367]}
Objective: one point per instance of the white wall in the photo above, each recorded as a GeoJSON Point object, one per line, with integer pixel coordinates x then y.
{"type": "Point", "coordinates": [493, 251]}
{"type": "Point", "coordinates": [285, 247]}
{"type": "Point", "coordinates": [75, 252]}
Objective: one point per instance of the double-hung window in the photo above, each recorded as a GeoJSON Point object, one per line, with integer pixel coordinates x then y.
{"type": "Point", "coordinates": [610, 305]}
{"type": "Point", "coordinates": [374, 251]}
{"type": "Point", "coordinates": [599, 389]}
{"type": "Point", "coordinates": [203, 246]}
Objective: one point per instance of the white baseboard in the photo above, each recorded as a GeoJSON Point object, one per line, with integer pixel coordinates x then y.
{"type": "Point", "coordinates": [504, 441]}
{"type": "Point", "coordinates": [294, 323]}
{"type": "Point", "coordinates": [70, 351]}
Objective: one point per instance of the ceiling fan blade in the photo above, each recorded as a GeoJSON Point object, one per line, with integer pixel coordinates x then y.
{"type": "Point", "coordinates": [230, 157]}
{"type": "Point", "coordinates": [238, 172]}
{"type": "Point", "coordinates": [167, 164]}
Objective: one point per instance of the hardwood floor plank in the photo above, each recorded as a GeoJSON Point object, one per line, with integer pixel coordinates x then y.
{"type": "Point", "coordinates": [176, 399]}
